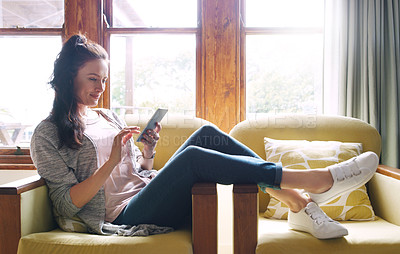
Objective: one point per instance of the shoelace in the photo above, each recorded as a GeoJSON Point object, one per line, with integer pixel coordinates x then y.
{"type": "Point", "coordinates": [347, 170]}
{"type": "Point", "coordinates": [317, 215]}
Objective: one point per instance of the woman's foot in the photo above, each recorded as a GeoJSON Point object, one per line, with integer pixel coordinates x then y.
{"type": "Point", "coordinates": [313, 220]}
{"type": "Point", "coordinates": [348, 176]}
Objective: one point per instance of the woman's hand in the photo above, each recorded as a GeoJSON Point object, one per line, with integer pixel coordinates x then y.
{"type": "Point", "coordinates": [150, 140]}
{"type": "Point", "coordinates": [120, 139]}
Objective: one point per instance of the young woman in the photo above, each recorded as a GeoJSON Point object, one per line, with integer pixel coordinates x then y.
{"type": "Point", "coordinates": [96, 173]}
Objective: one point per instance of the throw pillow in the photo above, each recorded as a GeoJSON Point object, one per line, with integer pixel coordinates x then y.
{"type": "Point", "coordinates": [303, 155]}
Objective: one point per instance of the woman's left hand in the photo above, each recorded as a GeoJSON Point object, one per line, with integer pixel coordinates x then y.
{"type": "Point", "coordinates": [150, 140]}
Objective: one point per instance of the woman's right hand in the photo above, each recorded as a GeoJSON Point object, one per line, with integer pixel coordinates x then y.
{"type": "Point", "coordinates": [119, 140]}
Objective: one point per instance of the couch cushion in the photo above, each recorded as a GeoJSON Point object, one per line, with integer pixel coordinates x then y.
{"type": "Point", "coordinates": [302, 154]}
{"type": "Point", "coordinates": [309, 127]}
{"type": "Point", "coordinates": [61, 242]}
{"type": "Point", "coordinates": [379, 236]}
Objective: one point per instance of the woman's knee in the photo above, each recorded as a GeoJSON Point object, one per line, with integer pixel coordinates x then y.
{"type": "Point", "coordinates": [209, 129]}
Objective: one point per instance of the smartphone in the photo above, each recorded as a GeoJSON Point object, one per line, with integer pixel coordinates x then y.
{"type": "Point", "coordinates": [157, 117]}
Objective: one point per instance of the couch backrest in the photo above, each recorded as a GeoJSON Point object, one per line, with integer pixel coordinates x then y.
{"type": "Point", "coordinates": [251, 132]}
{"type": "Point", "coordinates": [175, 130]}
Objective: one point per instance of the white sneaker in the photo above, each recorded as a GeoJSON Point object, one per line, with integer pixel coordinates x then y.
{"type": "Point", "coordinates": [348, 176]}
{"type": "Point", "coordinates": [313, 220]}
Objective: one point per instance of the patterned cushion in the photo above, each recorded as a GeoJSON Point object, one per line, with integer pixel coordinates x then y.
{"type": "Point", "coordinates": [302, 154]}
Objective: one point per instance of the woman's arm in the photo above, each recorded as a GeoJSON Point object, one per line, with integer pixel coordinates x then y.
{"type": "Point", "coordinates": [83, 192]}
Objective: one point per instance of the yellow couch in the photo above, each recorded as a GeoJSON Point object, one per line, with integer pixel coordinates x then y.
{"type": "Point", "coordinates": [255, 234]}
{"type": "Point", "coordinates": [41, 236]}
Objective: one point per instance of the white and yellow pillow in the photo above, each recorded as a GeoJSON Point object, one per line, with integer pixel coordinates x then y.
{"type": "Point", "coordinates": [302, 154]}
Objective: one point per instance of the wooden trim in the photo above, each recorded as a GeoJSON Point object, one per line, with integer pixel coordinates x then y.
{"type": "Point", "coordinates": [106, 96]}
{"type": "Point", "coordinates": [16, 159]}
{"type": "Point", "coordinates": [108, 11]}
{"type": "Point", "coordinates": [10, 223]}
{"type": "Point", "coordinates": [205, 218]}
{"type": "Point", "coordinates": [389, 171]}
{"type": "Point", "coordinates": [204, 189]}
{"type": "Point", "coordinates": [20, 186]}
{"type": "Point", "coordinates": [30, 31]}
{"type": "Point", "coordinates": [283, 30]}
{"type": "Point", "coordinates": [199, 63]}
{"type": "Point", "coordinates": [18, 166]}
{"type": "Point", "coordinates": [242, 62]}
{"type": "Point", "coordinates": [245, 188]}
{"type": "Point", "coordinates": [14, 151]}
{"type": "Point", "coordinates": [245, 218]}
{"type": "Point", "coordinates": [143, 30]}
{"type": "Point", "coordinates": [201, 59]}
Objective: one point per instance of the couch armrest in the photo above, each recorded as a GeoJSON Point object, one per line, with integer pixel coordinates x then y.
{"type": "Point", "coordinates": [25, 208]}
{"type": "Point", "coordinates": [383, 191]}
{"type": "Point", "coordinates": [204, 221]}
{"type": "Point", "coordinates": [245, 218]}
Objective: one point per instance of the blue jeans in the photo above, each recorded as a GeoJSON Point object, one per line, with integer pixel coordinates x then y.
{"type": "Point", "coordinates": [208, 155]}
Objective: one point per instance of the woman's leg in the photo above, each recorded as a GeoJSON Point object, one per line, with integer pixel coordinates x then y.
{"type": "Point", "coordinates": [209, 136]}
{"type": "Point", "coordinates": [305, 179]}
{"type": "Point", "coordinates": [167, 198]}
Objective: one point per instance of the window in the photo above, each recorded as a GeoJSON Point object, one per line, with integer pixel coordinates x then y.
{"type": "Point", "coordinates": [30, 39]}
{"type": "Point", "coordinates": [153, 56]}
{"type": "Point", "coordinates": [284, 54]}
{"type": "Point", "coordinates": [31, 14]}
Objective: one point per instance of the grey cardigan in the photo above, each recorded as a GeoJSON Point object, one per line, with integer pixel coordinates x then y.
{"type": "Point", "coordinates": [63, 168]}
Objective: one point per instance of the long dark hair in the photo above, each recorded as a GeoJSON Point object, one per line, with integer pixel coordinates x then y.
{"type": "Point", "coordinates": [77, 51]}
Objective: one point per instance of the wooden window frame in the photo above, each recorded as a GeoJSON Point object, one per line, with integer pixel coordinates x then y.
{"type": "Point", "coordinates": [19, 158]}
{"type": "Point", "coordinates": [220, 91]}
{"type": "Point", "coordinates": [110, 30]}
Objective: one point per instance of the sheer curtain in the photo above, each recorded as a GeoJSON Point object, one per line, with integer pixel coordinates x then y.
{"type": "Point", "coordinates": [362, 67]}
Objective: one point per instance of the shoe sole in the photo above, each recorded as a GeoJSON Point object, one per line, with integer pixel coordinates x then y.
{"type": "Point", "coordinates": [339, 234]}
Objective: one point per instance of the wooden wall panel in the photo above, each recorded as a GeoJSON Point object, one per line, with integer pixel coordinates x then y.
{"type": "Point", "coordinates": [220, 62]}
{"type": "Point", "coordinates": [86, 17]}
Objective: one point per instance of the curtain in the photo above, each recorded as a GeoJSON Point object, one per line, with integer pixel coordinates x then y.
{"type": "Point", "coordinates": [362, 67]}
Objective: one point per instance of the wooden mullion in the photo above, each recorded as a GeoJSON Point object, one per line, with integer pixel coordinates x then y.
{"type": "Point", "coordinates": [220, 38]}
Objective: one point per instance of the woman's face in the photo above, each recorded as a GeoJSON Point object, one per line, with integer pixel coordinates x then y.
{"type": "Point", "coordinates": [90, 82]}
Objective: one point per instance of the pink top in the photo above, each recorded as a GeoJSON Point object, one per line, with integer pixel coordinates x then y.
{"type": "Point", "coordinates": [124, 181]}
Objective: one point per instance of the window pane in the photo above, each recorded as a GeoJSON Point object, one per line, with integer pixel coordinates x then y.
{"type": "Point", "coordinates": [26, 98]}
{"type": "Point", "coordinates": [155, 13]}
{"type": "Point", "coordinates": [283, 73]}
{"type": "Point", "coordinates": [31, 14]}
{"type": "Point", "coordinates": [150, 71]}
{"type": "Point", "coordinates": [284, 13]}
